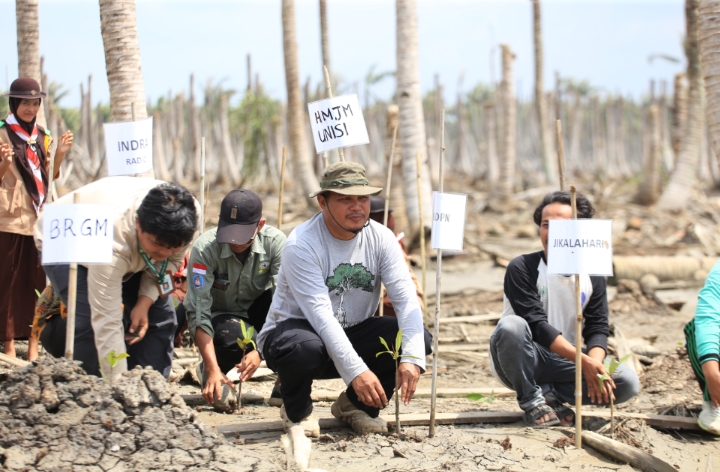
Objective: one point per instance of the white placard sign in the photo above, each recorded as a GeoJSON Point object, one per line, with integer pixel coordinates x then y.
{"type": "Point", "coordinates": [337, 122]}
{"type": "Point", "coordinates": [128, 147]}
{"type": "Point", "coordinates": [580, 247]}
{"type": "Point", "coordinates": [448, 226]}
{"type": "Point", "coordinates": [79, 233]}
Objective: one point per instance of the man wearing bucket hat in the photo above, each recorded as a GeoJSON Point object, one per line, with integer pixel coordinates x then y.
{"type": "Point", "coordinates": [321, 322]}
{"type": "Point", "coordinates": [232, 275]}
{"type": "Point", "coordinates": [24, 167]}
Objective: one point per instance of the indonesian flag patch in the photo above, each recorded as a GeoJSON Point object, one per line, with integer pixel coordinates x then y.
{"type": "Point", "coordinates": [199, 268]}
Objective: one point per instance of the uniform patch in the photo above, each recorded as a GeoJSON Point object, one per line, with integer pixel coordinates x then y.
{"type": "Point", "coordinates": [198, 281]}
{"type": "Point", "coordinates": [263, 267]}
{"type": "Point", "coordinates": [199, 268]}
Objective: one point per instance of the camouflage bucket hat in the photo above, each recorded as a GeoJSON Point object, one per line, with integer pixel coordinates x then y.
{"type": "Point", "coordinates": [345, 178]}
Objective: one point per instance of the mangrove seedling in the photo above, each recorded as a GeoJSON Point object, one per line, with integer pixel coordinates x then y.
{"type": "Point", "coordinates": [112, 358]}
{"type": "Point", "coordinates": [395, 353]}
{"type": "Point", "coordinates": [611, 366]}
{"type": "Point", "coordinates": [480, 398]}
{"type": "Point", "coordinates": [246, 340]}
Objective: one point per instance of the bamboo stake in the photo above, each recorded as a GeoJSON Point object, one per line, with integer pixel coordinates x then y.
{"type": "Point", "coordinates": [560, 153]}
{"type": "Point", "coordinates": [438, 280]}
{"type": "Point", "coordinates": [132, 110]}
{"type": "Point", "coordinates": [578, 342]}
{"type": "Point", "coordinates": [423, 255]}
{"type": "Point", "coordinates": [51, 179]}
{"type": "Point", "coordinates": [72, 303]}
{"type": "Point", "coordinates": [388, 181]}
{"type": "Point", "coordinates": [328, 90]}
{"type": "Point", "coordinates": [202, 185]}
{"type": "Point", "coordinates": [282, 185]}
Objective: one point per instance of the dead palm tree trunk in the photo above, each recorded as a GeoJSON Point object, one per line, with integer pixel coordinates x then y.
{"type": "Point", "coordinates": [650, 186]}
{"type": "Point", "coordinates": [709, 34]}
{"type": "Point", "coordinates": [541, 105]}
{"type": "Point", "coordinates": [325, 36]}
{"type": "Point", "coordinates": [684, 177]}
{"type": "Point", "coordinates": [679, 113]}
{"type": "Point", "coordinates": [118, 26]}
{"type": "Point", "coordinates": [27, 17]}
{"type": "Point", "coordinates": [397, 195]}
{"type": "Point", "coordinates": [507, 125]}
{"type": "Point", "coordinates": [493, 171]}
{"type": "Point", "coordinates": [299, 150]}
{"type": "Point", "coordinates": [411, 131]}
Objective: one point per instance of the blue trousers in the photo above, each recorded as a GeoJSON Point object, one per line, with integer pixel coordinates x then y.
{"type": "Point", "coordinates": [533, 370]}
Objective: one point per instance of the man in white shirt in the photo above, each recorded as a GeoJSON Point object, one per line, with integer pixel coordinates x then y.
{"type": "Point", "coordinates": [321, 322]}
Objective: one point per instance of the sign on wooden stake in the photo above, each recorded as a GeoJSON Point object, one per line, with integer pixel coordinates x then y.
{"type": "Point", "coordinates": [580, 247]}
{"type": "Point", "coordinates": [337, 123]}
{"type": "Point", "coordinates": [128, 147]}
{"type": "Point", "coordinates": [448, 226]}
{"type": "Point", "coordinates": [80, 233]}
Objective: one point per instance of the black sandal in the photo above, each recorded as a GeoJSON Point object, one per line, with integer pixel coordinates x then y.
{"type": "Point", "coordinates": [531, 416]}
{"type": "Point", "coordinates": [561, 411]}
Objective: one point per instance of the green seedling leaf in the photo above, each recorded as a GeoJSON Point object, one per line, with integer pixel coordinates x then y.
{"type": "Point", "coordinates": [38, 293]}
{"type": "Point", "coordinates": [382, 341]}
{"type": "Point", "coordinates": [114, 358]}
{"type": "Point", "coordinates": [383, 352]}
{"type": "Point", "coordinates": [601, 379]}
{"type": "Point", "coordinates": [243, 329]}
{"type": "Point", "coordinates": [480, 398]}
{"type": "Point", "coordinates": [398, 340]}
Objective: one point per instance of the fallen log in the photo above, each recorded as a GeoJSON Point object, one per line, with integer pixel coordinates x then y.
{"type": "Point", "coordinates": [664, 267]}
{"type": "Point", "coordinates": [624, 453]}
{"type": "Point", "coordinates": [472, 318]}
{"type": "Point", "coordinates": [13, 360]}
{"type": "Point", "coordinates": [331, 396]}
{"type": "Point", "coordinates": [465, 417]}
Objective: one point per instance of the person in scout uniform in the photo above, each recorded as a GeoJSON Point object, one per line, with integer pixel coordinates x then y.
{"type": "Point", "coordinates": [24, 167]}
{"type": "Point", "coordinates": [232, 275]}
{"type": "Point", "coordinates": [124, 306]}
{"type": "Point", "coordinates": [321, 322]}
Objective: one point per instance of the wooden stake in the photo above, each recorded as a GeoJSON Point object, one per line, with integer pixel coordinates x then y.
{"type": "Point", "coordinates": [132, 110]}
{"type": "Point", "coordinates": [282, 185]}
{"type": "Point", "coordinates": [438, 280]}
{"type": "Point", "coordinates": [202, 185]}
{"type": "Point", "coordinates": [560, 153]}
{"type": "Point", "coordinates": [388, 182]}
{"type": "Point", "coordinates": [328, 90]}
{"type": "Point", "coordinates": [72, 303]}
{"type": "Point", "coordinates": [423, 255]}
{"type": "Point", "coordinates": [578, 342]}
{"type": "Point", "coordinates": [51, 179]}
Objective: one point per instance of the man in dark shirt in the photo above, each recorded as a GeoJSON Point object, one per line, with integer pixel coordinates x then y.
{"type": "Point", "coordinates": [532, 349]}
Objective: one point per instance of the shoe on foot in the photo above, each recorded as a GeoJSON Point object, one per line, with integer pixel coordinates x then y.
{"type": "Point", "coordinates": [275, 397]}
{"type": "Point", "coordinates": [709, 419]}
{"type": "Point", "coordinates": [309, 424]}
{"type": "Point", "coordinates": [361, 422]}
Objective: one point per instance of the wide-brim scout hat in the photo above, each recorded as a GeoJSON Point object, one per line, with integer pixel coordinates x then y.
{"type": "Point", "coordinates": [345, 178]}
{"type": "Point", "coordinates": [25, 87]}
{"type": "Point", "coordinates": [240, 214]}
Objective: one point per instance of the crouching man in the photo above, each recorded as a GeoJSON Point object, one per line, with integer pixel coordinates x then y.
{"type": "Point", "coordinates": [123, 306]}
{"type": "Point", "coordinates": [532, 349]}
{"type": "Point", "coordinates": [233, 272]}
{"type": "Point", "coordinates": [321, 322]}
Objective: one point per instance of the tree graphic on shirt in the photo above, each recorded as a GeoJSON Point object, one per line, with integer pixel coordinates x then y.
{"type": "Point", "coordinates": [346, 277]}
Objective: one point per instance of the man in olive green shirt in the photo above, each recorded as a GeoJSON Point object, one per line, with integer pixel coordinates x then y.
{"type": "Point", "coordinates": [232, 274]}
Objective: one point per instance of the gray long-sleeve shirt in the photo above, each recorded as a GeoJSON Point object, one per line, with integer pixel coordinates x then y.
{"type": "Point", "coordinates": [335, 284]}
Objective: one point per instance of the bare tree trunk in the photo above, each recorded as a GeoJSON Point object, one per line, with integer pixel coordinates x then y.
{"type": "Point", "coordinates": [118, 26]}
{"type": "Point", "coordinates": [709, 35]}
{"type": "Point", "coordinates": [231, 165]}
{"type": "Point", "coordinates": [507, 125]}
{"type": "Point", "coordinates": [193, 167]}
{"type": "Point", "coordinates": [299, 149]}
{"type": "Point", "coordinates": [325, 36]}
{"type": "Point", "coordinates": [397, 184]}
{"type": "Point", "coordinates": [493, 172]}
{"type": "Point", "coordinates": [27, 17]}
{"type": "Point", "coordinates": [411, 132]}
{"type": "Point", "coordinates": [541, 106]}
{"type": "Point", "coordinates": [679, 112]}
{"type": "Point", "coordinates": [575, 133]}
{"type": "Point", "coordinates": [178, 137]}
{"type": "Point", "coordinates": [650, 187]}
{"type": "Point", "coordinates": [684, 177]}
{"type": "Point", "coordinates": [160, 163]}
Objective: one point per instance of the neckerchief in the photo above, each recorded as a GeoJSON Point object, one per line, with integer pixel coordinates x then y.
{"type": "Point", "coordinates": [151, 266]}
{"type": "Point", "coordinates": [31, 155]}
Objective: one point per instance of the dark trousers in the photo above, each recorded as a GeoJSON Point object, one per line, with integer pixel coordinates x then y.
{"type": "Point", "coordinates": [156, 348]}
{"type": "Point", "coordinates": [227, 331]}
{"type": "Point", "coordinates": [295, 351]}
{"type": "Point", "coordinates": [691, 345]}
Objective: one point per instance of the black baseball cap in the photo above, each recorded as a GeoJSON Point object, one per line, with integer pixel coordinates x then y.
{"type": "Point", "coordinates": [377, 204]}
{"type": "Point", "coordinates": [240, 214]}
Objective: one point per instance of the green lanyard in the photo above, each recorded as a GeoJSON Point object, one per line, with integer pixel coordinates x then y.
{"type": "Point", "coordinates": [153, 270]}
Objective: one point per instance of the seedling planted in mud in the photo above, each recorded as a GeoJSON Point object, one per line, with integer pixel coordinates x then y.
{"type": "Point", "coordinates": [611, 366]}
{"type": "Point", "coordinates": [244, 343]}
{"type": "Point", "coordinates": [112, 358]}
{"type": "Point", "coordinates": [395, 353]}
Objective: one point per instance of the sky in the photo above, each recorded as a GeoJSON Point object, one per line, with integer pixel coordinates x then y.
{"type": "Point", "coordinates": [607, 42]}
